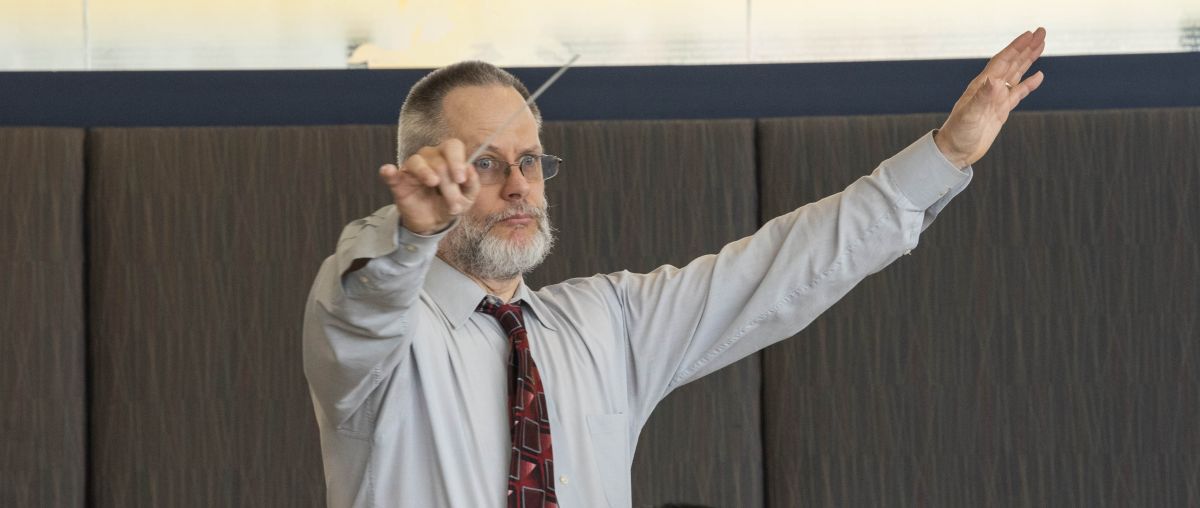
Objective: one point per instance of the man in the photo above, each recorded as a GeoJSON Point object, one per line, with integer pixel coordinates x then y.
{"type": "Point", "coordinates": [440, 379]}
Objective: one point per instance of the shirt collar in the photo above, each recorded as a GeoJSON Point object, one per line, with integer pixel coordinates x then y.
{"type": "Point", "coordinates": [458, 296]}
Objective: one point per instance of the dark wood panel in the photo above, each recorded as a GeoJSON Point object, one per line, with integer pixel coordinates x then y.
{"type": "Point", "coordinates": [43, 456]}
{"type": "Point", "coordinates": [204, 245]}
{"type": "Point", "coordinates": [206, 241]}
{"type": "Point", "coordinates": [636, 195]}
{"type": "Point", "coordinates": [1037, 349]}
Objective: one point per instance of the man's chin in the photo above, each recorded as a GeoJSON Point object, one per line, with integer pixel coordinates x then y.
{"type": "Point", "coordinates": [522, 233]}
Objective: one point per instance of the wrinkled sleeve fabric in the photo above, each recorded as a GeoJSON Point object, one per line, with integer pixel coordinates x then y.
{"type": "Point", "coordinates": [359, 318]}
{"type": "Point", "coordinates": [683, 323]}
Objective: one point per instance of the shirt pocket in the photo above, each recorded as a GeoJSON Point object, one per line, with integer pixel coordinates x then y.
{"type": "Point", "coordinates": [609, 434]}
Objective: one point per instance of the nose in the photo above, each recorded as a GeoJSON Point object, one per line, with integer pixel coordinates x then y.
{"type": "Point", "coordinates": [516, 187]}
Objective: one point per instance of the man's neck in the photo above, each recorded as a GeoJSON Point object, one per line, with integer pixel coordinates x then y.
{"type": "Point", "coordinates": [504, 289]}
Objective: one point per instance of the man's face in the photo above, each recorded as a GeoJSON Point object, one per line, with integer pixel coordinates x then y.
{"type": "Point", "coordinates": [506, 232]}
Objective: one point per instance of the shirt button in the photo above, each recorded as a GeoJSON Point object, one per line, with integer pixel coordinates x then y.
{"type": "Point", "coordinates": [410, 248]}
{"type": "Point", "coordinates": [362, 279]}
{"type": "Point", "coordinates": [563, 479]}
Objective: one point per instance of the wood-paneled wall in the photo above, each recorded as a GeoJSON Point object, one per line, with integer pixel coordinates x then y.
{"type": "Point", "coordinates": [1035, 350]}
{"type": "Point", "coordinates": [205, 242]}
{"type": "Point", "coordinates": [657, 193]}
{"type": "Point", "coordinates": [1039, 348]}
{"type": "Point", "coordinates": [43, 422]}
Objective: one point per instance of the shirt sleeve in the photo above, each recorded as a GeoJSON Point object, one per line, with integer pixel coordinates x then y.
{"type": "Point", "coordinates": [683, 323]}
{"type": "Point", "coordinates": [359, 318]}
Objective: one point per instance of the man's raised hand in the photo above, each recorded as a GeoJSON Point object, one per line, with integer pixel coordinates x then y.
{"type": "Point", "coordinates": [984, 107]}
{"type": "Point", "coordinates": [432, 187]}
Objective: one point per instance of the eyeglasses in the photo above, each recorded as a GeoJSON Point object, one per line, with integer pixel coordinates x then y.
{"type": "Point", "coordinates": [533, 167]}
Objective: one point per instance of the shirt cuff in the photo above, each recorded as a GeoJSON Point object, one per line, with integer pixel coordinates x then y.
{"type": "Point", "coordinates": [412, 248]}
{"type": "Point", "coordinates": [923, 174]}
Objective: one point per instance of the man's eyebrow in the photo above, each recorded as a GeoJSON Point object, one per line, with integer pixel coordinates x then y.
{"type": "Point", "coordinates": [496, 150]}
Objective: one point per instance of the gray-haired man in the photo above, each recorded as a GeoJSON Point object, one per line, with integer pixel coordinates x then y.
{"type": "Point", "coordinates": [440, 379]}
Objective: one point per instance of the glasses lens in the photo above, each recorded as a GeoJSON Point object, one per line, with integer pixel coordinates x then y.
{"type": "Point", "coordinates": [531, 167]}
{"type": "Point", "coordinates": [490, 170]}
{"type": "Point", "coordinates": [549, 165]}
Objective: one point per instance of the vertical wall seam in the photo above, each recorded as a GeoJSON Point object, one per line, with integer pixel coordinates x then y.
{"type": "Point", "coordinates": [760, 213]}
{"type": "Point", "coordinates": [86, 279]}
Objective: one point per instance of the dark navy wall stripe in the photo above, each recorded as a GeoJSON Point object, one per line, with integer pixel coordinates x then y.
{"type": "Point", "coordinates": [326, 97]}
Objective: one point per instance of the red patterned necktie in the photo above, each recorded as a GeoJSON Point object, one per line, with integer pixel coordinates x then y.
{"type": "Point", "coordinates": [531, 466]}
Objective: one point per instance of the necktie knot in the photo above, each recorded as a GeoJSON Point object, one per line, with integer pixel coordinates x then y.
{"type": "Point", "coordinates": [509, 315]}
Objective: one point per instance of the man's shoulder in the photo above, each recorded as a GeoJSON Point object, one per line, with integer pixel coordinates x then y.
{"type": "Point", "coordinates": [593, 289]}
{"type": "Point", "coordinates": [605, 284]}
{"type": "Point", "coordinates": [581, 303]}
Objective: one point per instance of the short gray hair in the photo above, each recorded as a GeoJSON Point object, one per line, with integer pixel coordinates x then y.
{"type": "Point", "coordinates": [421, 121]}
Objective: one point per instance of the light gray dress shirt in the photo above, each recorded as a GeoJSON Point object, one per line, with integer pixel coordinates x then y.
{"type": "Point", "coordinates": [409, 382]}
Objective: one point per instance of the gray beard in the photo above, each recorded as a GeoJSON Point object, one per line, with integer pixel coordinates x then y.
{"type": "Point", "coordinates": [471, 249]}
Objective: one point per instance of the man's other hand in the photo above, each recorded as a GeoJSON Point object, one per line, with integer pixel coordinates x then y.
{"type": "Point", "coordinates": [984, 107]}
{"type": "Point", "coordinates": [432, 187]}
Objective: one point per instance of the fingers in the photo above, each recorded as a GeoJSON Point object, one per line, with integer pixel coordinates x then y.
{"type": "Point", "coordinates": [1022, 90]}
{"type": "Point", "coordinates": [1012, 62]}
{"type": "Point", "coordinates": [455, 154]}
{"type": "Point", "coordinates": [390, 175]}
{"type": "Point", "coordinates": [440, 169]}
{"type": "Point", "coordinates": [422, 171]}
{"type": "Point", "coordinates": [471, 186]}
{"type": "Point", "coordinates": [1003, 62]}
{"type": "Point", "coordinates": [456, 203]}
{"type": "Point", "coordinates": [1028, 55]}
{"type": "Point", "coordinates": [995, 92]}
{"type": "Point", "coordinates": [1021, 43]}
{"type": "Point", "coordinates": [452, 168]}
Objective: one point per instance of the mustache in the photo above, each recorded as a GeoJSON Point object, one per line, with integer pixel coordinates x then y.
{"type": "Point", "coordinates": [538, 213]}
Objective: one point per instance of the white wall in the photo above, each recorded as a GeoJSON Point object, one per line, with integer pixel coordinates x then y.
{"type": "Point", "coordinates": [299, 34]}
